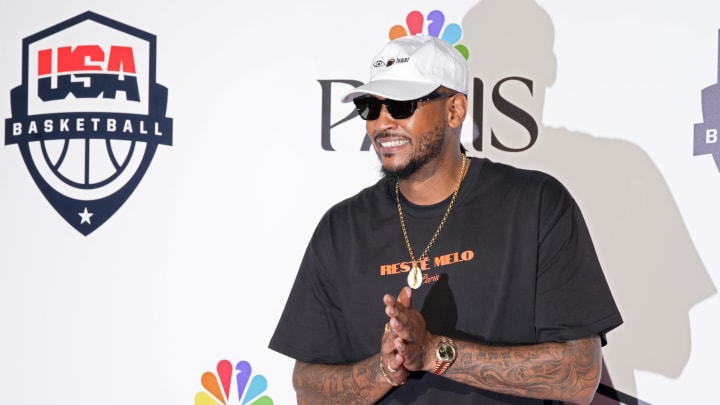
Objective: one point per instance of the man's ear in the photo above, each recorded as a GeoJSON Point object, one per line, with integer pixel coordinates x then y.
{"type": "Point", "coordinates": [457, 110]}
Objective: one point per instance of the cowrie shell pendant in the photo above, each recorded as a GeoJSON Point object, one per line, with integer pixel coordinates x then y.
{"type": "Point", "coordinates": [414, 277]}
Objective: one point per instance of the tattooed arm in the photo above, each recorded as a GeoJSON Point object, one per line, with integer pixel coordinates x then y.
{"type": "Point", "coordinates": [566, 371]}
{"type": "Point", "coordinates": [363, 382]}
{"type": "Point", "coordinates": [357, 383]}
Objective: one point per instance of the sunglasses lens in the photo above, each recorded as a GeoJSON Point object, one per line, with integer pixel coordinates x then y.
{"type": "Point", "coordinates": [368, 108]}
{"type": "Point", "coordinates": [400, 109]}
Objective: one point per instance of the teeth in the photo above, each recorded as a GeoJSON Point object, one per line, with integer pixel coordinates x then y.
{"type": "Point", "coordinates": [392, 144]}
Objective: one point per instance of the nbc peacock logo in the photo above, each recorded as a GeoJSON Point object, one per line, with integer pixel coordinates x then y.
{"type": "Point", "coordinates": [248, 390]}
{"type": "Point", "coordinates": [415, 23]}
{"type": "Point", "coordinates": [88, 116]}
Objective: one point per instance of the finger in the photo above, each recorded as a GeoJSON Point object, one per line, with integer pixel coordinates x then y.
{"type": "Point", "coordinates": [387, 350]}
{"type": "Point", "coordinates": [400, 319]}
{"type": "Point", "coordinates": [396, 374]}
{"type": "Point", "coordinates": [395, 363]}
{"type": "Point", "coordinates": [400, 346]}
{"type": "Point", "coordinates": [409, 326]}
{"type": "Point", "coordinates": [405, 297]}
{"type": "Point", "coordinates": [387, 337]}
{"type": "Point", "coordinates": [395, 309]}
{"type": "Point", "coordinates": [411, 354]}
{"type": "Point", "coordinates": [390, 305]}
{"type": "Point", "coordinates": [407, 352]}
{"type": "Point", "coordinates": [399, 360]}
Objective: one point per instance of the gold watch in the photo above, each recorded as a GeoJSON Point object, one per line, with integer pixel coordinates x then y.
{"type": "Point", "coordinates": [445, 355]}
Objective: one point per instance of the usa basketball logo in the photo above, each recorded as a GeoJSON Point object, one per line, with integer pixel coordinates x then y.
{"type": "Point", "coordinates": [89, 115]}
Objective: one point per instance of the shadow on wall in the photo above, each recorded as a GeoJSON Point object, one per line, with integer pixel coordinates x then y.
{"type": "Point", "coordinates": [653, 268]}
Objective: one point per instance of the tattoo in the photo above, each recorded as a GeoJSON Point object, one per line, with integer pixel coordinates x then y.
{"type": "Point", "coordinates": [549, 370]}
{"type": "Point", "coordinates": [338, 384]}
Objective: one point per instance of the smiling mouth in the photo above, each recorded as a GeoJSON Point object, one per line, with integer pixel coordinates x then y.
{"type": "Point", "coordinates": [393, 142]}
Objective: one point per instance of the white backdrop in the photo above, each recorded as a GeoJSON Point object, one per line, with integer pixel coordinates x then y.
{"type": "Point", "coordinates": [195, 266]}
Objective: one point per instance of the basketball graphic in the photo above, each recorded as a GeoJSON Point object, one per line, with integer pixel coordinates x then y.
{"type": "Point", "coordinates": [70, 160]}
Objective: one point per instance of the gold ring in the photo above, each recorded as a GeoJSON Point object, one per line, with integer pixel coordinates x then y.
{"type": "Point", "coordinates": [387, 327]}
{"type": "Point", "coordinates": [391, 382]}
{"type": "Point", "coordinates": [390, 369]}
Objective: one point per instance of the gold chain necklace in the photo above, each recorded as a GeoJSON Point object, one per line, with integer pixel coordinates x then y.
{"type": "Point", "coordinates": [414, 278]}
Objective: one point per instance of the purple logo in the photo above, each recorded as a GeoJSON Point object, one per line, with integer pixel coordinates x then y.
{"type": "Point", "coordinates": [706, 132]}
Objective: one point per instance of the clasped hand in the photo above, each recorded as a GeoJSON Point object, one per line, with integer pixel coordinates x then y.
{"type": "Point", "coordinates": [407, 345]}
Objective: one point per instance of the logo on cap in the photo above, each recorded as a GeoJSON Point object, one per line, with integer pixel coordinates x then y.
{"type": "Point", "coordinates": [88, 115]}
{"type": "Point", "coordinates": [390, 62]}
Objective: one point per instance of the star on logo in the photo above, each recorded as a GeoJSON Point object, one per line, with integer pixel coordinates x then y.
{"type": "Point", "coordinates": [85, 216]}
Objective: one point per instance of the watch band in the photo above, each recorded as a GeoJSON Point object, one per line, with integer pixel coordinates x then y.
{"type": "Point", "coordinates": [441, 367]}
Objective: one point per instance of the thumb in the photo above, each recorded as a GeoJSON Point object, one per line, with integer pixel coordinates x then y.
{"type": "Point", "coordinates": [405, 297]}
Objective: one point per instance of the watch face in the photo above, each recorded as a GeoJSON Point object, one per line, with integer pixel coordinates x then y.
{"type": "Point", "coordinates": [446, 352]}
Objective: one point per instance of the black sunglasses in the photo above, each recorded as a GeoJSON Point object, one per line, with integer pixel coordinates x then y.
{"type": "Point", "coordinates": [368, 107]}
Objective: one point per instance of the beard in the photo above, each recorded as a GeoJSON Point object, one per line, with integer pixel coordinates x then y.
{"type": "Point", "coordinates": [431, 143]}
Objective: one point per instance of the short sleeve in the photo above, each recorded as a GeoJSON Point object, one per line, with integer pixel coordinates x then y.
{"type": "Point", "coordinates": [573, 299]}
{"type": "Point", "coordinates": [311, 328]}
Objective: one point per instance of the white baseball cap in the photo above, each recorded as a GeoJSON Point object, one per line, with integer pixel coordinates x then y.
{"type": "Point", "coordinates": [411, 67]}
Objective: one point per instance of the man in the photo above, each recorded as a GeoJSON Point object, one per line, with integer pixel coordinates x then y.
{"type": "Point", "coordinates": [506, 302]}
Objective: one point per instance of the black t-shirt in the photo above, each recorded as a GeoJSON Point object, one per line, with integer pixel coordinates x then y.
{"type": "Point", "coordinates": [514, 264]}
